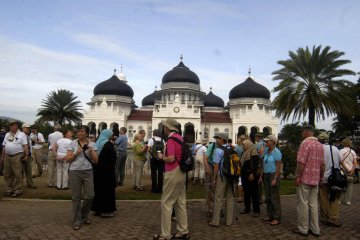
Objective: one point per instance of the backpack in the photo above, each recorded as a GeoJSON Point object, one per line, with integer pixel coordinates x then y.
{"type": "Point", "coordinates": [231, 164]}
{"type": "Point", "coordinates": [336, 180]}
{"type": "Point", "coordinates": [157, 146]}
{"type": "Point", "coordinates": [186, 162]}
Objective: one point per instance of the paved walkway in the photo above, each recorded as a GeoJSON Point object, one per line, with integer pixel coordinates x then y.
{"type": "Point", "coordinates": [38, 219]}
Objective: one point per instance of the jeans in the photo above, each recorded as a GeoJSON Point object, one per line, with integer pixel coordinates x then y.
{"type": "Point", "coordinates": [120, 167]}
{"type": "Point", "coordinates": [157, 175]}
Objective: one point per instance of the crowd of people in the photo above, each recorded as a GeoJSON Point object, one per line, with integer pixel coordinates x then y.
{"type": "Point", "coordinates": [93, 168]}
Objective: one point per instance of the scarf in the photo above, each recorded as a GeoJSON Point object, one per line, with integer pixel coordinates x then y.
{"type": "Point", "coordinates": [249, 151]}
{"type": "Point", "coordinates": [103, 138]}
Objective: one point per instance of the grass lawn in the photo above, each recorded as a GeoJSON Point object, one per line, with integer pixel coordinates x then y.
{"type": "Point", "coordinates": [123, 192]}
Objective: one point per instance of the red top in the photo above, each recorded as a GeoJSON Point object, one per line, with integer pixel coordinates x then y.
{"type": "Point", "coordinates": [311, 154]}
{"type": "Point", "coordinates": [173, 148]}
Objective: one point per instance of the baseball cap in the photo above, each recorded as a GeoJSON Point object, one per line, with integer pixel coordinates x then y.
{"type": "Point", "coordinates": [270, 138]}
{"type": "Point", "coordinates": [221, 135]}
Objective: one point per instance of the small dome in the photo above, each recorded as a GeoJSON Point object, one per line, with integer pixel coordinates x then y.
{"type": "Point", "coordinates": [181, 73]}
{"type": "Point", "coordinates": [114, 86]}
{"type": "Point", "coordinates": [211, 100]}
{"type": "Point", "coordinates": [149, 100]}
{"type": "Point", "coordinates": [249, 89]}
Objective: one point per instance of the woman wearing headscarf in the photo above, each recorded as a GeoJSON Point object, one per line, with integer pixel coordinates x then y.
{"type": "Point", "coordinates": [104, 176]}
{"type": "Point", "coordinates": [250, 177]}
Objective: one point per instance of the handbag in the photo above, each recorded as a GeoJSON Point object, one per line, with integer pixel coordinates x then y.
{"type": "Point", "coordinates": [337, 179]}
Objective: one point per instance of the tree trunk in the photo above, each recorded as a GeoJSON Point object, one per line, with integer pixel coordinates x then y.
{"type": "Point", "coordinates": [312, 116]}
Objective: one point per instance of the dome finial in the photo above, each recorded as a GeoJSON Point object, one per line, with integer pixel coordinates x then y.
{"type": "Point", "coordinates": [181, 58]}
{"type": "Point", "coordinates": [121, 68]}
{"type": "Point", "coordinates": [155, 88]}
{"type": "Point", "coordinates": [249, 71]}
{"type": "Point", "coordinates": [114, 70]}
{"type": "Point", "coordinates": [210, 89]}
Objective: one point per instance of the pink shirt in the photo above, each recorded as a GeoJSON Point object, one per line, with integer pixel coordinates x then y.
{"type": "Point", "coordinates": [311, 154]}
{"type": "Point", "coordinates": [173, 148]}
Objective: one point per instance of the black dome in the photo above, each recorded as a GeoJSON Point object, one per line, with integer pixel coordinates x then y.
{"type": "Point", "coordinates": [149, 100]}
{"type": "Point", "coordinates": [180, 73]}
{"type": "Point", "coordinates": [113, 86]}
{"type": "Point", "coordinates": [249, 89]}
{"type": "Point", "coordinates": [211, 100]}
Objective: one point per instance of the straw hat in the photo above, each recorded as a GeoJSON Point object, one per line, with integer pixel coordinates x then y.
{"type": "Point", "coordinates": [171, 124]}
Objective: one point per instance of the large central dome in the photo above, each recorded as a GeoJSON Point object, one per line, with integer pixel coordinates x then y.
{"type": "Point", "coordinates": [181, 73]}
{"type": "Point", "coordinates": [114, 86]}
{"type": "Point", "coordinates": [249, 89]}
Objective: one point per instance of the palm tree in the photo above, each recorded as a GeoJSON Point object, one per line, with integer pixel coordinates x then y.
{"type": "Point", "coordinates": [60, 106]}
{"type": "Point", "coordinates": [311, 83]}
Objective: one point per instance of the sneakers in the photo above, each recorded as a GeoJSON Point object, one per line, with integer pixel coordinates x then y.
{"type": "Point", "coordinates": [16, 194]}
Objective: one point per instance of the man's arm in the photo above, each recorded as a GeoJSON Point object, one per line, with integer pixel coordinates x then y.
{"type": "Point", "coordinates": [299, 171]}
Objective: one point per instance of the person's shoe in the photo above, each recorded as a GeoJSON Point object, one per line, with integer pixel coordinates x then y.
{"type": "Point", "coordinates": [65, 188]}
{"type": "Point", "coordinates": [107, 215]}
{"type": "Point", "coordinates": [296, 231]}
{"type": "Point", "coordinates": [314, 234]}
{"type": "Point", "coordinates": [76, 227]}
{"type": "Point", "coordinates": [31, 186]}
{"type": "Point", "coordinates": [266, 219]}
{"type": "Point", "coordinates": [33, 176]}
{"type": "Point", "coordinates": [274, 222]}
{"type": "Point", "coordinates": [86, 221]}
{"type": "Point", "coordinates": [347, 203]}
{"type": "Point", "coordinates": [8, 193]}
{"type": "Point", "coordinates": [245, 212]}
{"type": "Point", "coordinates": [256, 215]}
{"type": "Point", "coordinates": [16, 194]}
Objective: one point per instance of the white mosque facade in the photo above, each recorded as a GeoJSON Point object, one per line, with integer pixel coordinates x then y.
{"type": "Point", "coordinates": [201, 115]}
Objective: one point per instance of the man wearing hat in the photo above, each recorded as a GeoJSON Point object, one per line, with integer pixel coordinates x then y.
{"type": "Point", "coordinates": [27, 165]}
{"type": "Point", "coordinates": [222, 185]}
{"type": "Point", "coordinates": [174, 195]}
{"type": "Point", "coordinates": [37, 141]}
{"type": "Point", "coordinates": [310, 169]}
{"type": "Point", "coordinates": [15, 150]}
{"type": "Point", "coordinates": [329, 200]}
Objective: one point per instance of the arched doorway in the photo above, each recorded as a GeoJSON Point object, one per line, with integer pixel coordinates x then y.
{"type": "Point", "coordinates": [92, 127]}
{"type": "Point", "coordinates": [189, 133]}
{"type": "Point", "coordinates": [253, 131]}
{"type": "Point", "coordinates": [266, 131]}
{"type": "Point", "coordinates": [115, 129]}
{"type": "Point", "coordinates": [241, 131]}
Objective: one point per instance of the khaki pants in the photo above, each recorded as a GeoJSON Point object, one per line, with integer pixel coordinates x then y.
{"type": "Point", "coordinates": [13, 173]}
{"type": "Point", "coordinates": [62, 176]}
{"type": "Point", "coordinates": [137, 172]}
{"type": "Point", "coordinates": [51, 169]}
{"type": "Point", "coordinates": [174, 197]}
{"type": "Point", "coordinates": [223, 188]}
{"type": "Point", "coordinates": [27, 166]}
{"type": "Point", "coordinates": [199, 170]}
{"type": "Point", "coordinates": [329, 210]}
{"type": "Point", "coordinates": [37, 166]}
{"type": "Point", "coordinates": [81, 182]}
{"type": "Point", "coordinates": [307, 208]}
{"type": "Point", "coordinates": [209, 191]}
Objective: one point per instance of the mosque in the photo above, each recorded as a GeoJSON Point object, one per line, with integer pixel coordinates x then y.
{"type": "Point", "coordinates": [248, 111]}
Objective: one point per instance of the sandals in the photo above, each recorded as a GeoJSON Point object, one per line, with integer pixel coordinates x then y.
{"type": "Point", "coordinates": [212, 225]}
{"type": "Point", "coordinates": [180, 236]}
{"type": "Point", "coordinates": [159, 237]}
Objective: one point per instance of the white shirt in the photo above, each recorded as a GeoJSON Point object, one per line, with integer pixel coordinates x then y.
{"type": "Point", "coordinates": [38, 137]}
{"type": "Point", "coordinates": [151, 140]}
{"type": "Point", "coordinates": [53, 138]}
{"type": "Point", "coordinates": [80, 162]}
{"type": "Point", "coordinates": [63, 145]}
{"type": "Point", "coordinates": [328, 163]}
{"type": "Point", "coordinates": [349, 157]}
{"type": "Point", "coordinates": [200, 150]}
{"type": "Point", "coordinates": [13, 143]}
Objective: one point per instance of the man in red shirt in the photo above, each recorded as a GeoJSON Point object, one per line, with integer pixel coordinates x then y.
{"type": "Point", "coordinates": [174, 195]}
{"type": "Point", "coordinates": [310, 170]}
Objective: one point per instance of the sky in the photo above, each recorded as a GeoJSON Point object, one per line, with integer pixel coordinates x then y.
{"type": "Point", "coordinates": [67, 44]}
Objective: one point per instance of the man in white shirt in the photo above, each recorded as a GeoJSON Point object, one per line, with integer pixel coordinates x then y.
{"type": "Point", "coordinates": [53, 138]}
{"type": "Point", "coordinates": [199, 171]}
{"type": "Point", "coordinates": [15, 151]}
{"type": "Point", "coordinates": [37, 140]}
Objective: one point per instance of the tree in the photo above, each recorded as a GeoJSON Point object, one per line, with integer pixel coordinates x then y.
{"type": "Point", "coordinates": [311, 83]}
{"type": "Point", "coordinates": [60, 106]}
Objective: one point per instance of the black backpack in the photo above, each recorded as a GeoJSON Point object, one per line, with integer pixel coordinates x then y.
{"type": "Point", "coordinates": [336, 180]}
{"type": "Point", "coordinates": [231, 164]}
{"type": "Point", "coordinates": [186, 162]}
{"type": "Point", "coordinates": [157, 146]}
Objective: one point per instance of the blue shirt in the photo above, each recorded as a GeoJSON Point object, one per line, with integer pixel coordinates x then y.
{"type": "Point", "coordinates": [219, 156]}
{"type": "Point", "coordinates": [121, 143]}
{"type": "Point", "coordinates": [270, 159]}
{"type": "Point", "coordinates": [239, 150]}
